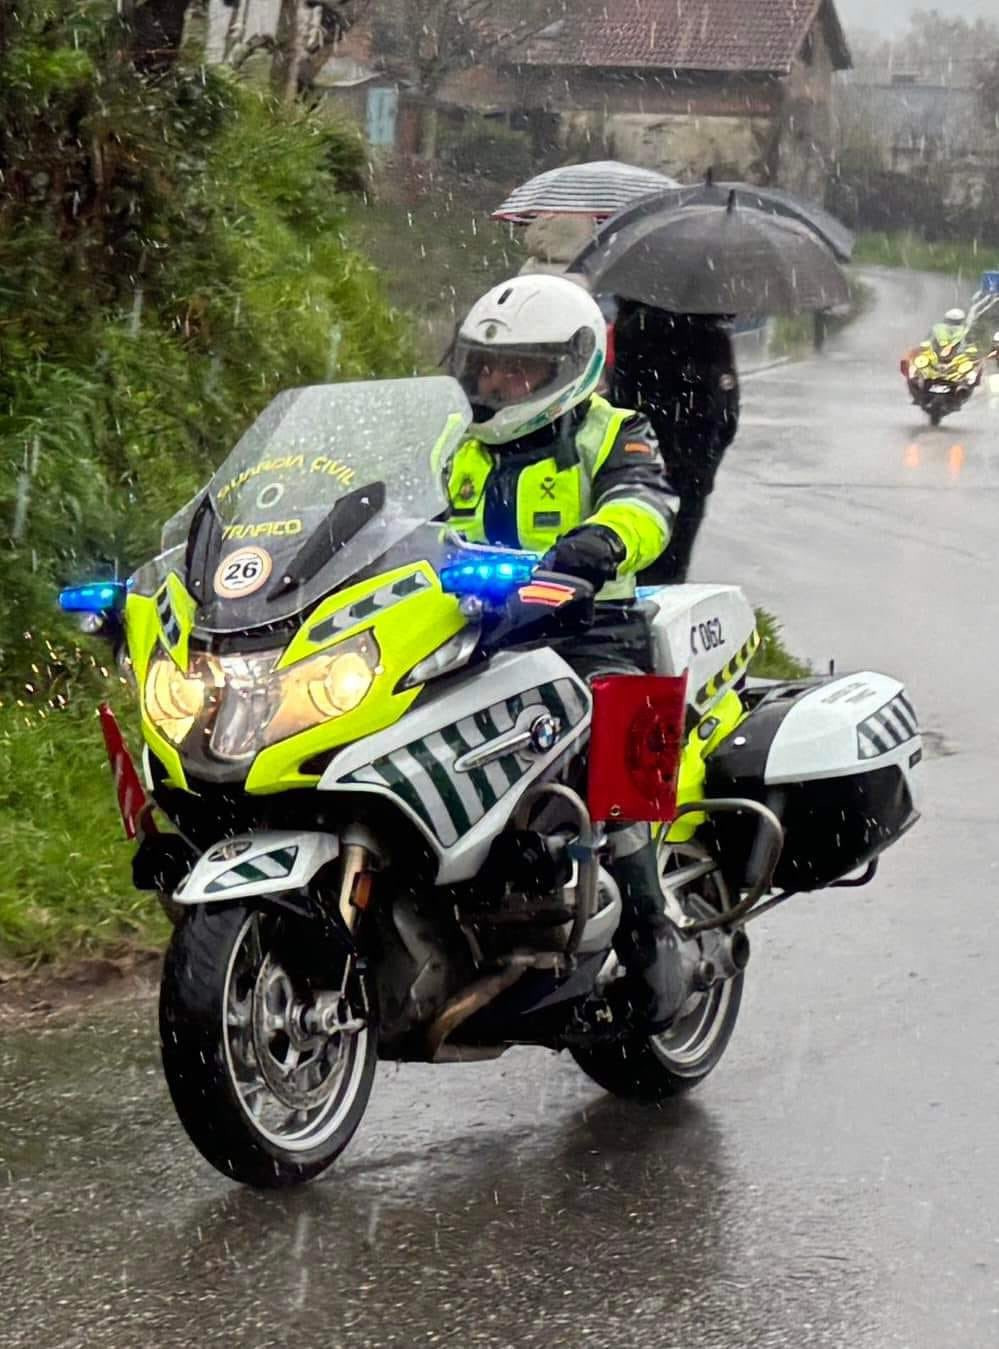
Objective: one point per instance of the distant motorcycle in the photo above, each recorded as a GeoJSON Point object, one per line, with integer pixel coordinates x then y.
{"type": "Point", "coordinates": [941, 378]}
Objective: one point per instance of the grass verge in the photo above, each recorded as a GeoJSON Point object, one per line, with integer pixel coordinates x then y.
{"type": "Point", "coordinates": [962, 258]}
{"type": "Point", "coordinates": [66, 891]}
{"type": "Point", "coordinates": [794, 334]}
{"type": "Point", "coordinates": [437, 257]}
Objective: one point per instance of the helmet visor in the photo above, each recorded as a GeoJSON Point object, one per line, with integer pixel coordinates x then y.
{"type": "Point", "coordinates": [496, 376]}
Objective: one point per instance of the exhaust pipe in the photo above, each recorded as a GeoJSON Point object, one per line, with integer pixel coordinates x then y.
{"type": "Point", "coordinates": [465, 1004]}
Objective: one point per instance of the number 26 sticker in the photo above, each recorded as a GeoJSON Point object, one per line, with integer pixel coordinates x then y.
{"type": "Point", "coordinates": [242, 572]}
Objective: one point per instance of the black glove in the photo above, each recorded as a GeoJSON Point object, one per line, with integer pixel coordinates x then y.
{"type": "Point", "coordinates": [591, 552]}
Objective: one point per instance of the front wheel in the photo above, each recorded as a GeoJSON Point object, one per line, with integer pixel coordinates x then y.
{"type": "Point", "coordinates": [936, 414]}
{"type": "Point", "coordinates": [656, 1067]}
{"type": "Point", "coordinates": [267, 1041]}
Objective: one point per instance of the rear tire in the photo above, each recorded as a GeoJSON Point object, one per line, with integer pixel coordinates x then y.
{"type": "Point", "coordinates": [657, 1067]}
{"type": "Point", "coordinates": [936, 416]}
{"type": "Point", "coordinates": [262, 1099]}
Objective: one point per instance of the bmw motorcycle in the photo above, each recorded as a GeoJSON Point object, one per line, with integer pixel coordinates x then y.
{"type": "Point", "coordinates": [373, 791]}
{"type": "Point", "coordinates": [941, 379]}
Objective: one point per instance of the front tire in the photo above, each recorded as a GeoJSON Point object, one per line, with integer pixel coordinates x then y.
{"type": "Point", "coordinates": [657, 1067]}
{"type": "Point", "coordinates": [268, 1099]}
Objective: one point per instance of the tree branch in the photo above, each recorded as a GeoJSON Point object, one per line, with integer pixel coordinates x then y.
{"type": "Point", "coordinates": [242, 51]}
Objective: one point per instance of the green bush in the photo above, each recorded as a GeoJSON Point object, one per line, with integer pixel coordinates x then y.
{"type": "Point", "coordinates": [172, 254]}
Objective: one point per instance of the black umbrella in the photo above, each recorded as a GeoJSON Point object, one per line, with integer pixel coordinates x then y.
{"type": "Point", "coordinates": [769, 200]}
{"type": "Point", "coordinates": [715, 260]}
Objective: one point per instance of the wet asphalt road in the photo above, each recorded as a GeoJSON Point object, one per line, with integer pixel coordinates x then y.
{"type": "Point", "coordinates": [835, 1183]}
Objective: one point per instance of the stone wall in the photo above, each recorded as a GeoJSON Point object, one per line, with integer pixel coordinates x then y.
{"type": "Point", "coordinates": [682, 126]}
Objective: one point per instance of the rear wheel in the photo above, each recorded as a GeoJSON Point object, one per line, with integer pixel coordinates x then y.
{"type": "Point", "coordinates": [655, 1067]}
{"type": "Point", "coordinates": [267, 1044]}
{"type": "Point", "coordinates": [936, 414]}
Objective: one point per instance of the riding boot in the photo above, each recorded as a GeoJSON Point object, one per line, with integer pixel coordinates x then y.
{"type": "Point", "coordinates": [661, 962]}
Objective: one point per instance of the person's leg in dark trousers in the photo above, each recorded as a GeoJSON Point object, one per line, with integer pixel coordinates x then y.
{"type": "Point", "coordinates": [672, 567]}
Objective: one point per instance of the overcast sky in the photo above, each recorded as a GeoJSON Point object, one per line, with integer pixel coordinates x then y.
{"type": "Point", "coordinates": [891, 15]}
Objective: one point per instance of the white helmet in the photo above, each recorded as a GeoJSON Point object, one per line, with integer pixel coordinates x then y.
{"type": "Point", "coordinates": [528, 351]}
{"type": "Point", "coordinates": [955, 316]}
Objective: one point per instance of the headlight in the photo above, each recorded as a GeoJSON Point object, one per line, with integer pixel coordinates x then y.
{"type": "Point", "coordinates": [244, 704]}
{"type": "Point", "coordinates": [174, 700]}
{"type": "Point", "coordinates": [344, 684]}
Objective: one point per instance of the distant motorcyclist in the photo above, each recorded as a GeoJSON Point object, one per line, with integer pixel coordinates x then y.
{"type": "Point", "coordinates": [948, 337]}
{"type": "Point", "coordinates": [555, 468]}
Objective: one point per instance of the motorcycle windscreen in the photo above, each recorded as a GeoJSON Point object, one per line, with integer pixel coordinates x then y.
{"type": "Point", "coordinates": [326, 480]}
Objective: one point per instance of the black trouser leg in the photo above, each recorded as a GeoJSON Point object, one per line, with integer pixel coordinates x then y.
{"type": "Point", "coordinates": [647, 941]}
{"type": "Point", "coordinates": [672, 567]}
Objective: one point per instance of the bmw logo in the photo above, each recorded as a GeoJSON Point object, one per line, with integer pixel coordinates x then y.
{"type": "Point", "coordinates": [228, 852]}
{"type": "Point", "coordinates": [545, 731]}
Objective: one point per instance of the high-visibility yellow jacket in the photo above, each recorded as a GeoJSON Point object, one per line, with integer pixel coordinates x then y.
{"type": "Point", "coordinates": [604, 469]}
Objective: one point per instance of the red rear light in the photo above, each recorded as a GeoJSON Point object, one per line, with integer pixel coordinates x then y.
{"type": "Point", "coordinates": [635, 746]}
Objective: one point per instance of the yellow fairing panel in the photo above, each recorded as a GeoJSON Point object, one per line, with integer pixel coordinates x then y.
{"type": "Point", "coordinates": [143, 632]}
{"type": "Point", "coordinates": [409, 617]}
{"type": "Point", "coordinates": [705, 737]}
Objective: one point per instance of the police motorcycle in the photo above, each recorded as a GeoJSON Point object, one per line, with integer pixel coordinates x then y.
{"type": "Point", "coordinates": [942, 376]}
{"type": "Point", "coordinates": [364, 801]}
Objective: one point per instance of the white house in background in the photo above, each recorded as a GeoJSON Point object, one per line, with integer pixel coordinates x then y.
{"type": "Point", "coordinates": [241, 21]}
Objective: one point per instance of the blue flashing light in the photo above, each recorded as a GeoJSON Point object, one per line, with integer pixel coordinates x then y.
{"type": "Point", "coordinates": [990, 283]}
{"type": "Point", "coordinates": [486, 575]}
{"type": "Point", "coordinates": [98, 597]}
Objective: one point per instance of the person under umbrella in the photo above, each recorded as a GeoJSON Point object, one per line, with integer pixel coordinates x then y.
{"type": "Point", "coordinates": [676, 274]}
{"type": "Point", "coordinates": [679, 370]}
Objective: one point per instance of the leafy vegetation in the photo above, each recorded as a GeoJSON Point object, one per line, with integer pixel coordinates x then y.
{"type": "Point", "coordinates": [173, 252]}
{"type": "Point", "coordinates": [773, 660]}
{"type": "Point", "coordinates": [439, 255]}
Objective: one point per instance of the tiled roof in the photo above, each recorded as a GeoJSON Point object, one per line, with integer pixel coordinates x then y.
{"type": "Point", "coordinates": [763, 36]}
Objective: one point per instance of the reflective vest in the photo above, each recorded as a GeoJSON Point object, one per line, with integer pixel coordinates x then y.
{"type": "Point", "coordinates": [553, 500]}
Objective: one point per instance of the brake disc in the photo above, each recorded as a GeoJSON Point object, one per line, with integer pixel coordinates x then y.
{"type": "Point", "coordinates": [289, 1057]}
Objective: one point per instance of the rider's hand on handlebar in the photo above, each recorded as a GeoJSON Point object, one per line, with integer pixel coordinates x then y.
{"type": "Point", "coordinates": [592, 553]}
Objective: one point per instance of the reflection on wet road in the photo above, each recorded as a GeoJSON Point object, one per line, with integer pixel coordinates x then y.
{"type": "Point", "coordinates": [834, 1184]}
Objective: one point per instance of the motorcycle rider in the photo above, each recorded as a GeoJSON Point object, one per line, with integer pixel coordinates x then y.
{"type": "Point", "coordinates": [952, 332]}
{"type": "Point", "coordinates": [554, 468]}
{"type": "Point", "coordinates": [946, 341]}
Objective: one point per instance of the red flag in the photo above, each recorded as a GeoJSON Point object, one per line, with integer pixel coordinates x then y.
{"type": "Point", "coordinates": [635, 746]}
{"type": "Point", "coordinates": [133, 803]}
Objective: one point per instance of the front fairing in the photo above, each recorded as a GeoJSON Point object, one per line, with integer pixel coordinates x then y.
{"type": "Point", "coordinates": [327, 480]}
{"type": "Point", "coordinates": [237, 689]}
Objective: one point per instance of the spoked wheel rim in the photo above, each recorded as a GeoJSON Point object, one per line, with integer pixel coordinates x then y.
{"type": "Point", "coordinates": [295, 1081]}
{"type": "Point", "coordinates": [688, 1045]}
